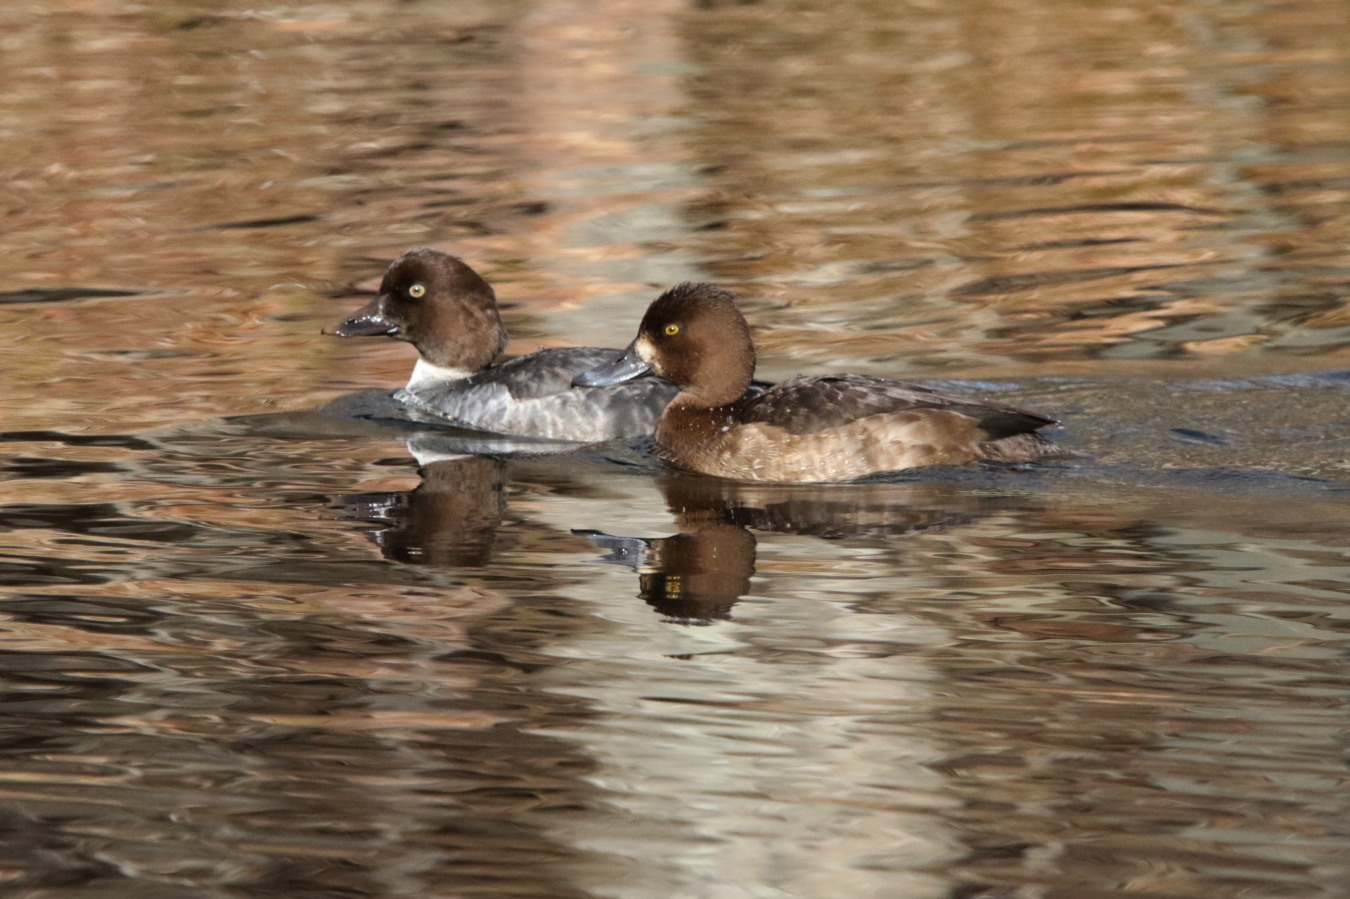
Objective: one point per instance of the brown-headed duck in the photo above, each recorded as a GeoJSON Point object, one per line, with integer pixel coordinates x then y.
{"type": "Point", "coordinates": [449, 313]}
{"type": "Point", "coordinates": [808, 428]}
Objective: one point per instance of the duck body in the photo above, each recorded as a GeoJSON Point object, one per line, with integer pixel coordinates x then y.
{"type": "Point", "coordinates": [806, 429]}
{"type": "Point", "coordinates": [449, 313]}
{"type": "Point", "coordinates": [841, 427]}
{"type": "Point", "coordinates": [533, 396]}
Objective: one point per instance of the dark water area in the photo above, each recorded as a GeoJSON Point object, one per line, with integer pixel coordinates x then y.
{"type": "Point", "coordinates": [253, 646]}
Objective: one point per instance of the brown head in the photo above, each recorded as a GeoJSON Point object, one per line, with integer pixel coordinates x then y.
{"type": "Point", "coordinates": [693, 336]}
{"type": "Point", "coordinates": [439, 305]}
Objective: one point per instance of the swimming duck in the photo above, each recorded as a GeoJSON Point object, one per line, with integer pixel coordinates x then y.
{"type": "Point", "coordinates": [808, 428]}
{"type": "Point", "coordinates": [449, 313]}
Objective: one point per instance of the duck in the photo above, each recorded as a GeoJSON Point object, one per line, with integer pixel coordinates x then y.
{"type": "Point", "coordinates": [445, 309]}
{"type": "Point", "coordinates": [811, 428]}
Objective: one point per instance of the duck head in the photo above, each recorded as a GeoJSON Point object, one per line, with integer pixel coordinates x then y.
{"type": "Point", "coordinates": [693, 336]}
{"type": "Point", "coordinates": [438, 304]}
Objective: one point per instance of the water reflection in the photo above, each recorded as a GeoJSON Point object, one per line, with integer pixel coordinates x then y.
{"type": "Point", "coordinates": [917, 671]}
{"type": "Point", "coordinates": [138, 767]}
{"type": "Point", "coordinates": [245, 698]}
{"type": "Point", "coordinates": [697, 575]}
{"type": "Point", "coordinates": [456, 517]}
{"type": "Point", "coordinates": [451, 518]}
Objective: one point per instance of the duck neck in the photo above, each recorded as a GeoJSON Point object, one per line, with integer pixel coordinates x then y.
{"type": "Point", "coordinates": [711, 396]}
{"type": "Point", "coordinates": [428, 374]}
{"type": "Point", "coordinates": [721, 380]}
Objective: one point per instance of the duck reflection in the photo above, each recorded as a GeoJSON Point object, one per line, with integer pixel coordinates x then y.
{"type": "Point", "coordinates": [698, 575]}
{"type": "Point", "coordinates": [452, 518]}
{"type": "Point", "coordinates": [455, 515]}
{"type": "Point", "coordinates": [694, 577]}
{"type": "Point", "coordinates": [455, 518]}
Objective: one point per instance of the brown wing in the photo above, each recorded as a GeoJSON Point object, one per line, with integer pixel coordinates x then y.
{"type": "Point", "coordinates": [808, 404]}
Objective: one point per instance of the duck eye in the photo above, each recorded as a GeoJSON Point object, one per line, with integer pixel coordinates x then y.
{"type": "Point", "coordinates": [417, 291]}
{"type": "Point", "coordinates": [671, 330]}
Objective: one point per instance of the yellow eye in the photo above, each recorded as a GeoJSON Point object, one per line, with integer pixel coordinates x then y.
{"type": "Point", "coordinates": [671, 330]}
{"type": "Point", "coordinates": [417, 291]}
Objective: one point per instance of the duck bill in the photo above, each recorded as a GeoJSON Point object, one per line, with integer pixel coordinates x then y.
{"type": "Point", "coordinates": [624, 367]}
{"type": "Point", "coordinates": [369, 321]}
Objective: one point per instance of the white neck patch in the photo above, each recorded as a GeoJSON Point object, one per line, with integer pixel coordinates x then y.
{"type": "Point", "coordinates": [425, 374]}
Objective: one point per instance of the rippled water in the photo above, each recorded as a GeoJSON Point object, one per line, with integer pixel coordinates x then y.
{"type": "Point", "coordinates": [253, 649]}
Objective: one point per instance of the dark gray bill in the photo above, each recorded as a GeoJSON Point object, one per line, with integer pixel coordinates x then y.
{"type": "Point", "coordinates": [369, 321]}
{"type": "Point", "coordinates": [624, 367]}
